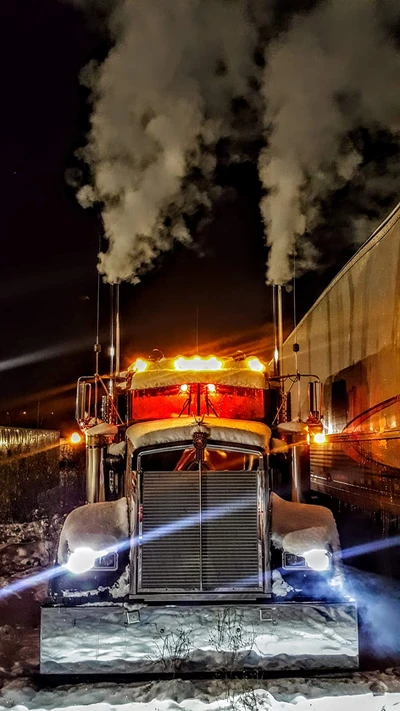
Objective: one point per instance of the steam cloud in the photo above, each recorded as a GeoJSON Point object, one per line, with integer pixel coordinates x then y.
{"type": "Point", "coordinates": [163, 99]}
{"type": "Point", "coordinates": [160, 102]}
{"type": "Point", "coordinates": [334, 70]}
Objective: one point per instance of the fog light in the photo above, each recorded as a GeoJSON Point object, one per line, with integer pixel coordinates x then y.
{"type": "Point", "coordinates": [81, 560]}
{"type": "Point", "coordinates": [317, 559]}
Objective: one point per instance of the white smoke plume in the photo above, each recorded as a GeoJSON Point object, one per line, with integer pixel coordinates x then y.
{"type": "Point", "coordinates": [335, 69]}
{"type": "Point", "coordinates": [160, 103]}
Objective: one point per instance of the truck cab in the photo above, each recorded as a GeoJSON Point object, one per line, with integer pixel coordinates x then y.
{"type": "Point", "coordinates": [184, 557]}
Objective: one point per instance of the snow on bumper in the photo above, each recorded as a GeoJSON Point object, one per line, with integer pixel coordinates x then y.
{"type": "Point", "coordinates": [146, 639]}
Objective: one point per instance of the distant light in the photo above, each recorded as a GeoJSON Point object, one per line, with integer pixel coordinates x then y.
{"type": "Point", "coordinates": [140, 365]}
{"type": "Point", "coordinates": [75, 438]}
{"type": "Point", "coordinates": [255, 364]}
{"type": "Point", "coordinates": [317, 559]}
{"type": "Point", "coordinates": [319, 438]}
{"type": "Point", "coordinates": [184, 388]}
{"type": "Point", "coordinates": [24, 412]}
{"type": "Point", "coordinates": [211, 388]}
{"type": "Point", "coordinates": [81, 560]}
{"type": "Point", "coordinates": [197, 363]}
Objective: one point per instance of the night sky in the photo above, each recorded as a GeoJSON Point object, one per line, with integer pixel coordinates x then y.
{"type": "Point", "coordinates": [49, 243]}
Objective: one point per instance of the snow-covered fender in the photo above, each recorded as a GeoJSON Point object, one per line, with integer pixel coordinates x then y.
{"type": "Point", "coordinates": [102, 527]}
{"type": "Point", "coordinates": [297, 529]}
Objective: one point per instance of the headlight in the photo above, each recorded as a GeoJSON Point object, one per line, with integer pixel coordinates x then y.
{"type": "Point", "coordinates": [81, 560]}
{"type": "Point", "coordinates": [317, 559]}
{"type": "Point", "coordinates": [84, 559]}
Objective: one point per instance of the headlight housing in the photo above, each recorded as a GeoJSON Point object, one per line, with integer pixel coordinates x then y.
{"type": "Point", "coordinates": [317, 559]}
{"type": "Point", "coordinates": [83, 559]}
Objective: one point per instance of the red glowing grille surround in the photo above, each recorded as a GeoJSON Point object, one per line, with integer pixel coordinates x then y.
{"type": "Point", "coordinates": [226, 401]}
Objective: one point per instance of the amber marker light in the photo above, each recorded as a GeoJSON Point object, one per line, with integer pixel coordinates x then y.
{"type": "Point", "coordinates": [319, 438]}
{"type": "Point", "coordinates": [211, 388]}
{"type": "Point", "coordinates": [197, 363]}
{"type": "Point", "coordinates": [75, 438]}
{"type": "Point", "coordinates": [184, 388]}
{"type": "Point", "coordinates": [255, 365]}
{"type": "Point", "coordinates": [140, 365]}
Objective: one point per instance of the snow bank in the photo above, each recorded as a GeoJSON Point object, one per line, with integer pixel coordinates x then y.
{"type": "Point", "coordinates": [97, 526]}
{"type": "Point", "coordinates": [352, 694]}
{"type": "Point", "coordinates": [297, 528]}
{"type": "Point", "coordinates": [242, 432]}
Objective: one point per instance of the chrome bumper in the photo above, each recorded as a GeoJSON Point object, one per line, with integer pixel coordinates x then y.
{"type": "Point", "coordinates": [139, 639]}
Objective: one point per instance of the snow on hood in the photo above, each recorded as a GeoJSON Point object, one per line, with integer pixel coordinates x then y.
{"type": "Point", "coordinates": [97, 526]}
{"type": "Point", "coordinates": [117, 448]}
{"type": "Point", "coordinates": [242, 432]}
{"type": "Point", "coordinates": [297, 528]}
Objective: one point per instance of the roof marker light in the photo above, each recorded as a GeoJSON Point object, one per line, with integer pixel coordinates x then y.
{"type": "Point", "coordinates": [197, 363]}
{"type": "Point", "coordinates": [140, 365]}
{"type": "Point", "coordinates": [255, 365]}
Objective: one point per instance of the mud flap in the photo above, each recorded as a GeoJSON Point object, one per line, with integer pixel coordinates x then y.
{"type": "Point", "coordinates": [140, 639]}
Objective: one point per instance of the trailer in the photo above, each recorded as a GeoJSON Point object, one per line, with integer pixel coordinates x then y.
{"type": "Point", "coordinates": [351, 338]}
{"type": "Point", "coordinates": [196, 550]}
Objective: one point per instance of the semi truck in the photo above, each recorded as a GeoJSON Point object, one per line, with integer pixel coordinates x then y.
{"type": "Point", "coordinates": [198, 548]}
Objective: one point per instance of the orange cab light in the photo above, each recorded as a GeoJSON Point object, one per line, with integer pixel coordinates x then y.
{"type": "Point", "coordinates": [184, 388]}
{"type": "Point", "coordinates": [255, 364]}
{"type": "Point", "coordinates": [75, 438]}
{"type": "Point", "coordinates": [319, 438]}
{"type": "Point", "coordinates": [140, 365]}
{"type": "Point", "coordinates": [197, 363]}
{"type": "Point", "coordinates": [211, 388]}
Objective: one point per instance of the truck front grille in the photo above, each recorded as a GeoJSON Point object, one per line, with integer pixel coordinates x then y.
{"type": "Point", "coordinates": [199, 533]}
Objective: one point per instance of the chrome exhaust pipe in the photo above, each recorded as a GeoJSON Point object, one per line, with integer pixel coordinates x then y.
{"type": "Point", "coordinates": [96, 448]}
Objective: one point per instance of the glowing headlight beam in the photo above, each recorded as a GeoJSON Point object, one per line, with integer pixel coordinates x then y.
{"type": "Point", "coordinates": [371, 547]}
{"type": "Point", "coordinates": [181, 525]}
{"type": "Point", "coordinates": [44, 354]}
{"type": "Point", "coordinates": [31, 581]}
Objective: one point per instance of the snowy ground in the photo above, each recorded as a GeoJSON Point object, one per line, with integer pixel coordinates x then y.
{"type": "Point", "coordinates": [19, 640]}
{"type": "Point", "coordinates": [361, 692]}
